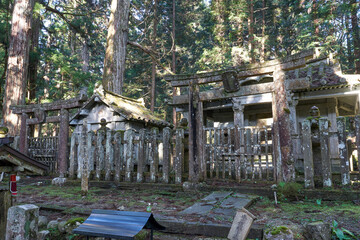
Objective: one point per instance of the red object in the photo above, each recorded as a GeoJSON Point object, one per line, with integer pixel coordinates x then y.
{"type": "Point", "coordinates": [13, 189]}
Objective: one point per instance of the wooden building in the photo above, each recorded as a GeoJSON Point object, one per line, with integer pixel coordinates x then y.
{"type": "Point", "coordinates": [116, 112]}
{"type": "Point", "coordinates": [277, 93]}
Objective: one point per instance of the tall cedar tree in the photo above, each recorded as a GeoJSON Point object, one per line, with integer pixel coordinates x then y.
{"type": "Point", "coordinates": [117, 38]}
{"type": "Point", "coordinates": [18, 60]}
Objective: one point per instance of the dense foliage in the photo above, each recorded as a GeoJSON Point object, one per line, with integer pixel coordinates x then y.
{"type": "Point", "coordinates": [70, 45]}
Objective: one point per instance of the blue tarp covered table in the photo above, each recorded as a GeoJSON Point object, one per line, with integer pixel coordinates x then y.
{"type": "Point", "coordinates": [117, 224]}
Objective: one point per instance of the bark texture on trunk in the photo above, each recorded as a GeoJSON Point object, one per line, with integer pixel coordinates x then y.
{"type": "Point", "coordinates": [173, 67]}
{"type": "Point", "coordinates": [34, 57]}
{"type": "Point", "coordinates": [18, 60]}
{"type": "Point", "coordinates": [114, 65]}
{"type": "Point", "coordinates": [356, 35]}
{"type": "Point", "coordinates": [153, 68]}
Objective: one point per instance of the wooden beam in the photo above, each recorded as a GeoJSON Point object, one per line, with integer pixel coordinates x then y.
{"type": "Point", "coordinates": [52, 119]}
{"type": "Point", "coordinates": [57, 105]}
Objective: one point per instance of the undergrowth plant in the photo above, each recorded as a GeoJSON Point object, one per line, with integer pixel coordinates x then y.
{"type": "Point", "coordinates": [340, 233]}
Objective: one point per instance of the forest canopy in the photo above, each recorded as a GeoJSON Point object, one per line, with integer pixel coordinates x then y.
{"type": "Point", "coordinates": [68, 40]}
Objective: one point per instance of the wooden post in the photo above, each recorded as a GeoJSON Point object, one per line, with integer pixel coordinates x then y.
{"type": "Point", "coordinates": [63, 141]}
{"type": "Point", "coordinates": [73, 154]}
{"type": "Point", "coordinates": [118, 154]}
{"type": "Point", "coordinates": [23, 134]}
{"type": "Point", "coordinates": [154, 160]}
{"type": "Point", "coordinates": [343, 152]}
{"type": "Point", "coordinates": [166, 154]}
{"type": "Point", "coordinates": [282, 130]}
{"type": "Point", "coordinates": [109, 155]}
{"type": "Point", "coordinates": [141, 156]}
{"type": "Point", "coordinates": [325, 156]}
{"type": "Point", "coordinates": [129, 147]}
{"type": "Point", "coordinates": [100, 153]}
{"type": "Point", "coordinates": [179, 158]}
{"type": "Point", "coordinates": [308, 155]}
{"type": "Point", "coordinates": [84, 155]}
{"type": "Point", "coordinates": [200, 141]}
{"type": "Point", "coordinates": [193, 158]}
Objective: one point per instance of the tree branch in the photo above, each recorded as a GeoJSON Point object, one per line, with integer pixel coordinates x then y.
{"type": "Point", "coordinates": [152, 54]}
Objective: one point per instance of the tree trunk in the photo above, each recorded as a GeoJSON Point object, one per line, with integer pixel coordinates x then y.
{"type": "Point", "coordinates": [114, 65]}
{"type": "Point", "coordinates": [85, 56]}
{"type": "Point", "coordinates": [18, 60]}
{"type": "Point", "coordinates": [251, 32]}
{"type": "Point", "coordinates": [350, 58]}
{"type": "Point", "coordinates": [355, 34]}
{"type": "Point", "coordinates": [34, 57]}
{"type": "Point", "coordinates": [262, 54]}
{"type": "Point", "coordinates": [153, 69]}
{"type": "Point", "coordinates": [173, 67]}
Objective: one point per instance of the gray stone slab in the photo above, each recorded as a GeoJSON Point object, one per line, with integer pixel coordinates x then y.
{"type": "Point", "coordinates": [236, 202]}
{"type": "Point", "coordinates": [228, 212]}
{"type": "Point", "coordinates": [198, 208]}
{"type": "Point", "coordinates": [216, 196]}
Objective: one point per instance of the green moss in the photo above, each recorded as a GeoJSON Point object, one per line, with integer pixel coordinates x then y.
{"type": "Point", "coordinates": [277, 230]}
{"type": "Point", "coordinates": [287, 110]}
{"type": "Point", "coordinates": [73, 221]}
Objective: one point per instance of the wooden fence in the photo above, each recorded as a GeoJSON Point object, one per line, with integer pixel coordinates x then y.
{"type": "Point", "coordinates": [239, 153]}
{"type": "Point", "coordinates": [44, 150]}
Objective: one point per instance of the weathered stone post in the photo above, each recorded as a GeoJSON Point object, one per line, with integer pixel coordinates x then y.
{"type": "Point", "coordinates": [325, 156]}
{"type": "Point", "coordinates": [73, 150]}
{"type": "Point", "coordinates": [85, 161]}
{"type": "Point", "coordinates": [295, 139]}
{"type": "Point", "coordinates": [100, 153]}
{"type": "Point", "coordinates": [129, 147]}
{"type": "Point", "coordinates": [238, 109]}
{"type": "Point", "coordinates": [119, 154]}
{"type": "Point", "coordinates": [5, 204]}
{"type": "Point", "coordinates": [91, 150]}
{"type": "Point", "coordinates": [22, 222]}
{"type": "Point", "coordinates": [179, 157]}
{"type": "Point", "coordinates": [154, 163]}
{"type": "Point", "coordinates": [166, 155]}
{"type": "Point", "coordinates": [141, 156]}
{"type": "Point", "coordinates": [343, 152]}
{"type": "Point", "coordinates": [308, 155]}
{"type": "Point", "coordinates": [109, 159]}
{"type": "Point", "coordinates": [282, 133]}
{"type": "Point", "coordinates": [63, 141]}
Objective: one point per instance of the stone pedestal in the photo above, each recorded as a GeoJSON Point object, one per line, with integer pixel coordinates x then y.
{"type": "Point", "coordinates": [22, 222]}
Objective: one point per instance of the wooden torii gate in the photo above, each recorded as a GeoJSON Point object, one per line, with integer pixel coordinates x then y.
{"type": "Point", "coordinates": [38, 114]}
{"type": "Point", "coordinates": [281, 106]}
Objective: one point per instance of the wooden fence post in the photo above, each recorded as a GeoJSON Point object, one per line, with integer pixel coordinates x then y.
{"type": "Point", "coordinates": [129, 147]}
{"type": "Point", "coordinates": [141, 156]}
{"type": "Point", "coordinates": [325, 156]}
{"type": "Point", "coordinates": [100, 153]}
{"type": "Point", "coordinates": [73, 154]}
{"type": "Point", "coordinates": [308, 155]}
{"type": "Point", "coordinates": [154, 163]}
{"type": "Point", "coordinates": [179, 158]}
{"type": "Point", "coordinates": [109, 159]}
{"type": "Point", "coordinates": [343, 152]}
{"type": "Point", "coordinates": [166, 154]}
{"type": "Point", "coordinates": [118, 154]}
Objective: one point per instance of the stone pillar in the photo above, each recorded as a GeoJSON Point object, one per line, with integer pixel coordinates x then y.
{"type": "Point", "coordinates": [325, 156]}
{"type": "Point", "coordinates": [154, 160]}
{"type": "Point", "coordinates": [179, 155]}
{"type": "Point", "coordinates": [166, 154]}
{"type": "Point", "coordinates": [85, 160]}
{"type": "Point", "coordinates": [23, 134]}
{"type": "Point", "coordinates": [100, 153]}
{"type": "Point", "coordinates": [109, 153]}
{"type": "Point", "coordinates": [333, 138]}
{"type": "Point", "coordinates": [63, 142]}
{"type": "Point", "coordinates": [308, 155]}
{"type": "Point", "coordinates": [343, 152]}
{"type": "Point", "coordinates": [5, 204]}
{"type": "Point", "coordinates": [22, 222]}
{"type": "Point", "coordinates": [238, 109]}
{"type": "Point", "coordinates": [294, 127]}
{"type": "Point", "coordinates": [239, 123]}
{"type": "Point", "coordinates": [141, 156]}
{"type": "Point", "coordinates": [282, 130]}
{"type": "Point", "coordinates": [129, 147]}
{"type": "Point", "coordinates": [200, 141]}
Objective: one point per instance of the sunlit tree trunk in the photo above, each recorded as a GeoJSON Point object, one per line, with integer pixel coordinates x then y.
{"type": "Point", "coordinates": [153, 70]}
{"type": "Point", "coordinates": [173, 66]}
{"type": "Point", "coordinates": [355, 34]}
{"type": "Point", "coordinates": [17, 68]}
{"type": "Point", "coordinates": [251, 32]}
{"type": "Point", "coordinates": [34, 57]}
{"type": "Point", "coordinates": [262, 53]}
{"type": "Point", "coordinates": [114, 65]}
